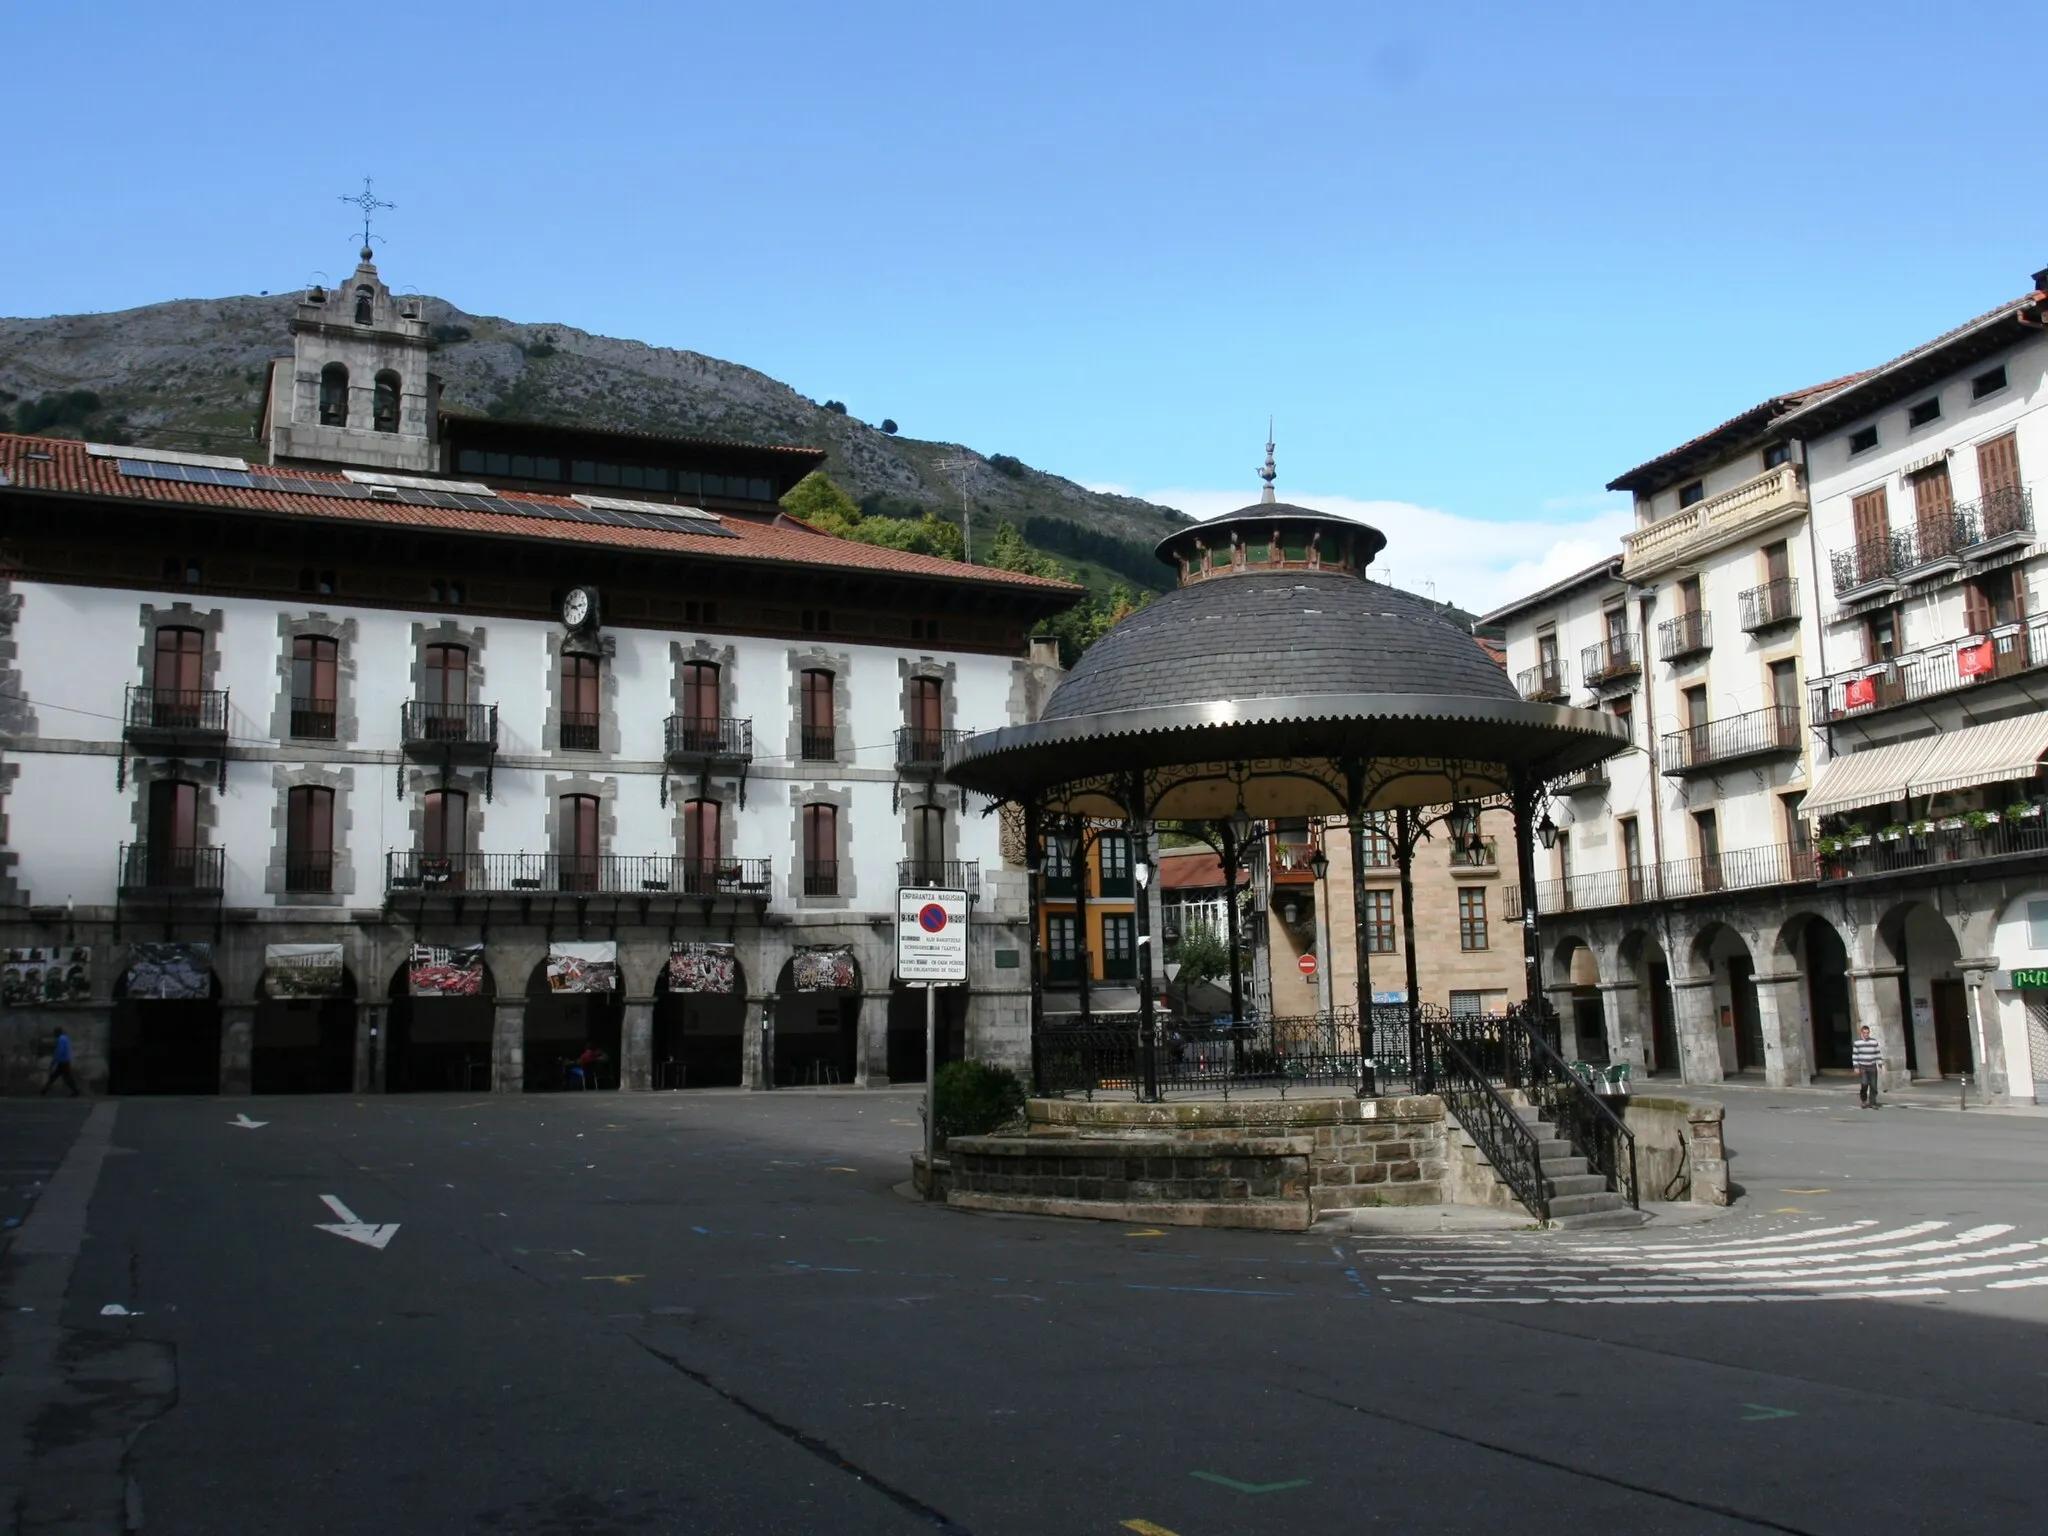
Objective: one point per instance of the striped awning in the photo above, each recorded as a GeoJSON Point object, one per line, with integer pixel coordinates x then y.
{"type": "Point", "coordinates": [1931, 765]}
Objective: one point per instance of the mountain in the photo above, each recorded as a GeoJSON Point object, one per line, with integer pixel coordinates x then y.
{"type": "Point", "coordinates": [189, 374]}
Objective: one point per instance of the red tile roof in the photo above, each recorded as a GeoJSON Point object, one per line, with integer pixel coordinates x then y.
{"type": "Point", "coordinates": [70, 470]}
{"type": "Point", "coordinates": [1193, 869]}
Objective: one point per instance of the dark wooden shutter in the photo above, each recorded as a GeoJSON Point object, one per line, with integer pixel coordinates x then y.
{"type": "Point", "coordinates": [1976, 609]}
{"type": "Point", "coordinates": [1998, 465]}
{"type": "Point", "coordinates": [1933, 495]}
{"type": "Point", "coordinates": [1873, 517]}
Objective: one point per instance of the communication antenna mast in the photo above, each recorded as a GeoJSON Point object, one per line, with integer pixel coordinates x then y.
{"type": "Point", "coordinates": [960, 466]}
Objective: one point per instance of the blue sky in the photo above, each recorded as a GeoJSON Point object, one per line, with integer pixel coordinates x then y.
{"type": "Point", "coordinates": [1475, 259]}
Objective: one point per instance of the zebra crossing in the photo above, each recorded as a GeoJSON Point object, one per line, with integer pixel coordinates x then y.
{"type": "Point", "coordinates": [1854, 1260]}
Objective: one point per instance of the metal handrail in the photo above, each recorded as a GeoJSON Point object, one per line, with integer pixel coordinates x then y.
{"type": "Point", "coordinates": [709, 736]}
{"type": "Point", "coordinates": [1505, 1139]}
{"type": "Point", "coordinates": [425, 722]}
{"type": "Point", "coordinates": [1774, 728]}
{"type": "Point", "coordinates": [1544, 681]}
{"type": "Point", "coordinates": [1585, 1119]}
{"type": "Point", "coordinates": [611, 874]}
{"type": "Point", "coordinates": [945, 874]}
{"type": "Point", "coordinates": [172, 868]}
{"type": "Point", "coordinates": [1617, 656]}
{"type": "Point", "coordinates": [202, 711]}
{"type": "Point", "coordinates": [1775, 602]}
{"type": "Point", "coordinates": [917, 747]}
{"type": "Point", "coordinates": [1685, 635]}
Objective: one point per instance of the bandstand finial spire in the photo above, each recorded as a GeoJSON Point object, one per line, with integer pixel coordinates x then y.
{"type": "Point", "coordinates": [1268, 472]}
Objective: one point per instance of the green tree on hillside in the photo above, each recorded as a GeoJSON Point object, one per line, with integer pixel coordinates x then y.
{"type": "Point", "coordinates": [827, 508]}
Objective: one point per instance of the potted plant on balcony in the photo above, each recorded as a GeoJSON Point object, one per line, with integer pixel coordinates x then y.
{"type": "Point", "coordinates": [2021, 810]}
{"type": "Point", "coordinates": [1894, 832]}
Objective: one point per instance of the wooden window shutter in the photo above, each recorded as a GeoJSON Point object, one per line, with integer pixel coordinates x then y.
{"type": "Point", "coordinates": [1998, 465]}
{"type": "Point", "coordinates": [1933, 495]}
{"type": "Point", "coordinates": [1873, 517]}
{"type": "Point", "coordinates": [1976, 609]}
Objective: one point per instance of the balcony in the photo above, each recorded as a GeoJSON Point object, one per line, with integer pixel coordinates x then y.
{"type": "Point", "coordinates": [607, 874]}
{"type": "Point", "coordinates": [942, 874]}
{"type": "Point", "coordinates": [703, 739]}
{"type": "Point", "coordinates": [1544, 683]}
{"type": "Point", "coordinates": [1759, 733]}
{"type": "Point", "coordinates": [1744, 869]}
{"type": "Point", "coordinates": [1611, 660]}
{"type": "Point", "coordinates": [313, 719]}
{"type": "Point", "coordinates": [312, 873]}
{"type": "Point", "coordinates": [1475, 853]}
{"type": "Point", "coordinates": [176, 716]}
{"type": "Point", "coordinates": [1728, 518]}
{"type": "Point", "coordinates": [1690, 634]}
{"type": "Point", "coordinates": [821, 877]}
{"type": "Point", "coordinates": [1772, 604]}
{"type": "Point", "coordinates": [1971, 530]}
{"type": "Point", "coordinates": [1955, 666]}
{"type": "Point", "coordinates": [923, 749]}
{"type": "Point", "coordinates": [817, 744]}
{"type": "Point", "coordinates": [448, 726]}
{"type": "Point", "coordinates": [148, 870]}
{"type": "Point", "coordinates": [1951, 841]}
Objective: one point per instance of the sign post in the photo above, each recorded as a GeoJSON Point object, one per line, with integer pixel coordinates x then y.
{"type": "Point", "coordinates": [931, 948]}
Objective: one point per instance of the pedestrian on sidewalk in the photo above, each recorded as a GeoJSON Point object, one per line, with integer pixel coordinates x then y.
{"type": "Point", "coordinates": [1867, 1056]}
{"type": "Point", "coordinates": [60, 1065]}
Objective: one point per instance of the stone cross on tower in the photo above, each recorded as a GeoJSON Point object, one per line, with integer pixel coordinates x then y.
{"type": "Point", "coordinates": [1268, 472]}
{"type": "Point", "coordinates": [369, 202]}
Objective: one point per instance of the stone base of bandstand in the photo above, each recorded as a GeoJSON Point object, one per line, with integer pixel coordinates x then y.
{"type": "Point", "coordinates": [1279, 1164]}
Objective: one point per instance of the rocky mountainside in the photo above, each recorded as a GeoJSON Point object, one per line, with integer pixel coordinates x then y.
{"type": "Point", "coordinates": [189, 374]}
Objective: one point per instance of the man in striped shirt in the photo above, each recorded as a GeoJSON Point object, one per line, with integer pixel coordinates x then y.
{"type": "Point", "coordinates": [1867, 1056]}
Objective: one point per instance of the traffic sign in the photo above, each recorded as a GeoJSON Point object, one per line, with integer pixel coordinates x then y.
{"type": "Point", "coordinates": [1306, 965]}
{"type": "Point", "coordinates": [931, 935]}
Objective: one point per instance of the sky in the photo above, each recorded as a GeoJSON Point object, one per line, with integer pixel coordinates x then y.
{"type": "Point", "coordinates": [1473, 261]}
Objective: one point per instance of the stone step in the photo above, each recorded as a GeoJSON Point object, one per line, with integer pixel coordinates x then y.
{"type": "Point", "coordinates": [1619, 1216]}
{"type": "Point", "coordinates": [1576, 1184]}
{"type": "Point", "coordinates": [1603, 1199]}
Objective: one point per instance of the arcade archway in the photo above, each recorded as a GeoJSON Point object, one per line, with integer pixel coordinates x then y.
{"type": "Point", "coordinates": [817, 1020]}
{"type": "Point", "coordinates": [438, 1029]}
{"type": "Point", "coordinates": [166, 1026]}
{"type": "Point", "coordinates": [304, 1044]}
{"type": "Point", "coordinates": [699, 1031]}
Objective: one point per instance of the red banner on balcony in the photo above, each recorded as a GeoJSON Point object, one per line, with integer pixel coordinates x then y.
{"type": "Point", "coordinates": [1860, 693]}
{"type": "Point", "coordinates": [1975, 660]}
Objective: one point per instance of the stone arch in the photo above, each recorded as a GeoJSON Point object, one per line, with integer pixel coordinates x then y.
{"type": "Point", "coordinates": [1727, 1024]}
{"type": "Point", "coordinates": [1810, 945]}
{"type": "Point", "coordinates": [561, 1027]}
{"type": "Point", "coordinates": [303, 1044]}
{"type": "Point", "coordinates": [817, 1032]}
{"type": "Point", "coordinates": [439, 1043]}
{"type": "Point", "coordinates": [165, 1033]}
{"type": "Point", "coordinates": [1921, 960]}
{"type": "Point", "coordinates": [1575, 994]}
{"type": "Point", "coordinates": [698, 1039]}
{"type": "Point", "coordinates": [1646, 1006]}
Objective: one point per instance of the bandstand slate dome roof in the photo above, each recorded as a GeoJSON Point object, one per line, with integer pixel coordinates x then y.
{"type": "Point", "coordinates": [1276, 678]}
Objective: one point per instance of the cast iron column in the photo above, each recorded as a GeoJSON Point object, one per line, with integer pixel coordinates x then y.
{"type": "Point", "coordinates": [1138, 830]}
{"type": "Point", "coordinates": [1354, 779]}
{"type": "Point", "coordinates": [1524, 792]}
{"type": "Point", "coordinates": [1034, 872]}
{"type": "Point", "coordinates": [1404, 851]}
{"type": "Point", "coordinates": [1084, 955]}
{"type": "Point", "coordinates": [1230, 853]}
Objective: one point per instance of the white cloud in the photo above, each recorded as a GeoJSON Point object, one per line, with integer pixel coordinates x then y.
{"type": "Point", "coordinates": [1473, 562]}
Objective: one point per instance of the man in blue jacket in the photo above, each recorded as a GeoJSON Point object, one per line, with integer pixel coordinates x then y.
{"type": "Point", "coordinates": [60, 1065]}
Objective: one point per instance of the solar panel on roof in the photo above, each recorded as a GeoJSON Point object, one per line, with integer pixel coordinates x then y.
{"type": "Point", "coordinates": [195, 474]}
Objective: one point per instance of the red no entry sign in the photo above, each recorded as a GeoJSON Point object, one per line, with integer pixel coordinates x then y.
{"type": "Point", "coordinates": [1307, 965]}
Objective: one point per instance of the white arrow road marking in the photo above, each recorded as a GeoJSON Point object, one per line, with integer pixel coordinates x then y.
{"type": "Point", "coordinates": [354, 1228]}
{"type": "Point", "coordinates": [242, 1122]}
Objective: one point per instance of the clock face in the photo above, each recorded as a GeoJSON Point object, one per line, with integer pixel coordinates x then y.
{"type": "Point", "coordinates": [576, 608]}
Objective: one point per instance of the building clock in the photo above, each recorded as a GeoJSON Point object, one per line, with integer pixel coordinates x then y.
{"type": "Point", "coordinates": [579, 610]}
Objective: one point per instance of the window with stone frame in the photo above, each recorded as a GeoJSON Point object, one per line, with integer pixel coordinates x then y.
{"type": "Point", "coordinates": [582, 705]}
{"type": "Point", "coordinates": [178, 670]}
{"type": "Point", "coordinates": [818, 741]}
{"type": "Point", "coordinates": [927, 844]}
{"type": "Point", "coordinates": [576, 841]}
{"type": "Point", "coordinates": [1472, 933]}
{"type": "Point", "coordinates": [821, 850]}
{"type": "Point", "coordinates": [315, 675]}
{"type": "Point", "coordinates": [444, 839]}
{"type": "Point", "coordinates": [309, 838]}
{"type": "Point", "coordinates": [701, 851]}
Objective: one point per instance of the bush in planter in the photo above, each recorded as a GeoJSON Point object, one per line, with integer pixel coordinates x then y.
{"type": "Point", "coordinates": [974, 1098]}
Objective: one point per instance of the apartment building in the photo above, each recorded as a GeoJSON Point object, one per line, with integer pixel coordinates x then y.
{"type": "Point", "coordinates": [433, 752]}
{"type": "Point", "coordinates": [1820, 631]}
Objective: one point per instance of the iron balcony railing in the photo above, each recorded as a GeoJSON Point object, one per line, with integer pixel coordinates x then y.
{"type": "Point", "coordinates": [941, 874]}
{"type": "Point", "coordinates": [1687, 635]}
{"type": "Point", "coordinates": [1773, 603]}
{"type": "Point", "coordinates": [917, 747]}
{"type": "Point", "coordinates": [1742, 869]}
{"type": "Point", "coordinates": [1759, 733]}
{"type": "Point", "coordinates": [1951, 841]}
{"type": "Point", "coordinates": [1545, 683]}
{"type": "Point", "coordinates": [429, 724]}
{"type": "Point", "coordinates": [313, 719]}
{"type": "Point", "coordinates": [817, 744]}
{"type": "Point", "coordinates": [1951, 667]}
{"type": "Point", "coordinates": [580, 731]}
{"type": "Point", "coordinates": [146, 867]}
{"type": "Point", "coordinates": [1608, 660]}
{"type": "Point", "coordinates": [612, 874]}
{"type": "Point", "coordinates": [821, 877]}
{"type": "Point", "coordinates": [176, 711]}
{"type": "Point", "coordinates": [694, 737]}
{"type": "Point", "coordinates": [1967, 530]}
{"type": "Point", "coordinates": [310, 872]}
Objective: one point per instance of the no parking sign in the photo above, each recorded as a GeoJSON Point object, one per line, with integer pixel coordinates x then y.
{"type": "Point", "coordinates": [931, 935]}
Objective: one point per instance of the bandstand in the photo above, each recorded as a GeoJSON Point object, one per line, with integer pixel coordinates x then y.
{"type": "Point", "coordinates": [1276, 682]}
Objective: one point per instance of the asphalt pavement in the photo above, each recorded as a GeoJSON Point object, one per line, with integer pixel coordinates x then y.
{"type": "Point", "coordinates": [713, 1313]}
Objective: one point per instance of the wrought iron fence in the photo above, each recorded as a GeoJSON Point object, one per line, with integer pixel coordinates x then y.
{"type": "Point", "coordinates": [1774, 728]}
{"type": "Point", "coordinates": [1685, 635]}
{"type": "Point", "coordinates": [817, 744]}
{"type": "Point", "coordinates": [1739, 869]}
{"type": "Point", "coordinates": [917, 747]}
{"type": "Point", "coordinates": [1873, 560]}
{"type": "Point", "coordinates": [427, 723]}
{"type": "Point", "coordinates": [311, 872]}
{"type": "Point", "coordinates": [1948, 842]}
{"type": "Point", "coordinates": [1545, 681]}
{"type": "Point", "coordinates": [1775, 602]}
{"type": "Point", "coordinates": [580, 730]}
{"type": "Point", "coordinates": [1317, 1052]}
{"type": "Point", "coordinates": [202, 711]}
{"type": "Point", "coordinates": [945, 874]}
{"type": "Point", "coordinates": [527, 874]}
{"type": "Point", "coordinates": [1616, 656]}
{"type": "Point", "coordinates": [148, 868]}
{"type": "Point", "coordinates": [1461, 1065]}
{"type": "Point", "coordinates": [313, 719]}
{"type": "Point", "coordinates": [1951, 667]}
{"type": "Point", "coordinates": [693, 736]}
{"type": "Point", "coordinates": [821, 877]}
